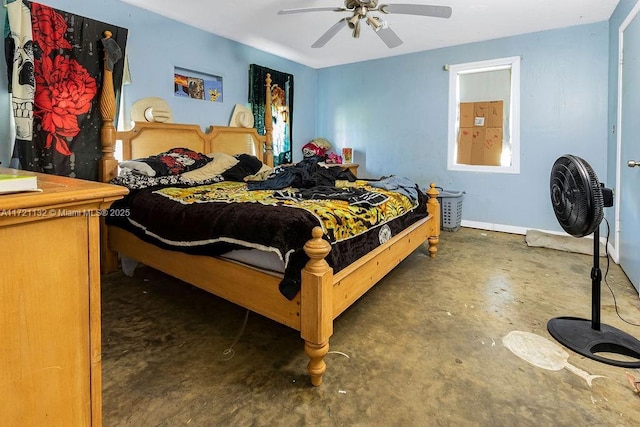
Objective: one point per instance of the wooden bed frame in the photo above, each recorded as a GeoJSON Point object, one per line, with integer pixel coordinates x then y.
{"type": "Point", "coordinates": [323, 295]}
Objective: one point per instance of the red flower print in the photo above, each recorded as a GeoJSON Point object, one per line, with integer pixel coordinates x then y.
{"type": "Point", "coordinates": [48, 29]}
{"type": "Point", "coordinates": [65, 91]}
{"type": "Point", "coordinates": [61, 144]}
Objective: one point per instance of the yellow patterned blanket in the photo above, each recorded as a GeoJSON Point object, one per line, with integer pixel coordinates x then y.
{"type": "Point", "coordinates": [339, 219]}
{"type": "Point", "coordinates": [216, 218]}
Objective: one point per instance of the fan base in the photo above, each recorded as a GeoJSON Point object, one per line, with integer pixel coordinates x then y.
{"type": "Point", "coordinates": [579, 335]}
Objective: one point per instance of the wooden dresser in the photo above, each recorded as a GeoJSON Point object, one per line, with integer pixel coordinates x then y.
{"type": "Point", "coordinates": [50, 361]}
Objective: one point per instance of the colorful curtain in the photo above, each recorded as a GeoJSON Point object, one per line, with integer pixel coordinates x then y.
{"type": "Point", "coordinates": [55, 66]}
{"type": "Point", "coordinates": [281, 108]}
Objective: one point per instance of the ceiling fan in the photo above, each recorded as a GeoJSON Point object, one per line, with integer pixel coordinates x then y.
{"type": "Point", "coordinates": [360, 9]}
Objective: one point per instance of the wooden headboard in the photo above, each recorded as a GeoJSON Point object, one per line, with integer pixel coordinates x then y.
{"type": "Point", "coordinates": [149, 138]}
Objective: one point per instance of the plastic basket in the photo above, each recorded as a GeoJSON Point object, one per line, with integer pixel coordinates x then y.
{"type": "Point", "coordinates": [450, 209]}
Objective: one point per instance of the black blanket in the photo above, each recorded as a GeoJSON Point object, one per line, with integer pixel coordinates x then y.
{"type": "Point", "coordinates": [214, 219]}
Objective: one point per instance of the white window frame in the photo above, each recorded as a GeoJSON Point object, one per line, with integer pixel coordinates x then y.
{"type": "Point", "coordinates": [512, 63]}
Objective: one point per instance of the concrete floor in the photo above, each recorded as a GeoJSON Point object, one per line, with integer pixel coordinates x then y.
{"type": "Point", "coordinates": [423, 347]}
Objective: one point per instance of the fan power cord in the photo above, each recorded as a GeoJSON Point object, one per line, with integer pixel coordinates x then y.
{"type": "Point", "coordinates": [230, 352]}
{"type": "Point", "coordinates": [606, 273]}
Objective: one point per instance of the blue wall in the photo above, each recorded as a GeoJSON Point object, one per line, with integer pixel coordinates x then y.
{"type": "Point", "coordinates": [394, 113]}
{"type": "Point", "coordinates": [156, 45]}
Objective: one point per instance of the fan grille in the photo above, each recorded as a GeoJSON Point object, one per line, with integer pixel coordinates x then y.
{"type": "Point", "coordinates": [576, 196]}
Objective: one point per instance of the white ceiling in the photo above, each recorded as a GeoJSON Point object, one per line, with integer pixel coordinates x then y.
{"type": "Point", "coordinates": [257, 24]}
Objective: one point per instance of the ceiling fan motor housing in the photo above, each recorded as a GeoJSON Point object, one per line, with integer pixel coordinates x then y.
{"type": "Point", "coordinates": [352, 4]}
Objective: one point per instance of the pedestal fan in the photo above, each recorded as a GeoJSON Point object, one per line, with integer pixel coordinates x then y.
{"type": "Point", "coordinates": [578, 200]}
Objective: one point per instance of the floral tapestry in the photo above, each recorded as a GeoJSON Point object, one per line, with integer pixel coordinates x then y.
{"type": "Point", "coordinates": [55, 67]}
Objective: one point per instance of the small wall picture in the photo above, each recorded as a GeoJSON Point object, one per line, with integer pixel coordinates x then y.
{"type": "Point", "coordinates": [347, 155]}
{"type": "Point", "coordinates": [196, 85]}
{"type": "Point", "coordinates": [181, 85]}
{"type": "Point", "coordinates": [213, 90]}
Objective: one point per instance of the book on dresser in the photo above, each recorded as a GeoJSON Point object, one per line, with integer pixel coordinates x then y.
{"type": "Point", "coordinates": [10, 183]}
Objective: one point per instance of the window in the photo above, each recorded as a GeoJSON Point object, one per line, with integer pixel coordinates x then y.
{"type": "Point", "coordinates": [484, 116]}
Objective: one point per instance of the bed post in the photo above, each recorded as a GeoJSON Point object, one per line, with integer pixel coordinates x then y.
{"type": "Point", "coordinates": [107, 165]}
{"type": "Point", "coordinates": [268, 123]}
{"type": "Point", "coordinates": [316, 305]}
{"type": "Point", "coordinates": [433, 207]}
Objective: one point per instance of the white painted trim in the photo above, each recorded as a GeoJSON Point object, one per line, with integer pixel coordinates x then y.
{"type": "Point", "coordinates": [455, 70]}
{"type": "Point", "coordinates": [496, 227]}
{"type": "Point", "coordinates": [615, 251]}
{"type": "Point", "coordinates": [512, 229]}
{"type": "Point", "coordinates": [614, 256]}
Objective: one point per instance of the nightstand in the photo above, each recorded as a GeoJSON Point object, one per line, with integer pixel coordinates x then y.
{"type": "Point", "coordinates": [50, 363]}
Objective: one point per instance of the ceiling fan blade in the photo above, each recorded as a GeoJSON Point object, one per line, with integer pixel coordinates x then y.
{"type": "Point", "coordinates": [330, 33]}
{"type": "Point", "coordinates": [389, 37]}
{"type": "Point", "coordinates": [417, 9]}
{"type": "Point", "coordinates": [311, 9]}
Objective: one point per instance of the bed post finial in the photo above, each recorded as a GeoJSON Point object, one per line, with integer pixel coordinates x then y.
{"type": "Point", "coordinates": [107, 165]}
{"type": "Point", "coordinates": [268, 122]}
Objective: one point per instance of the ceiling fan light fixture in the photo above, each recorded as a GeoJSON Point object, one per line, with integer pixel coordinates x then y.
{"type": "Point", "coordinates": [375, 22]}
{"type": "Point", "coordinates": [356, 30]}
{"type": "Point", "coordinates": [353, 21]}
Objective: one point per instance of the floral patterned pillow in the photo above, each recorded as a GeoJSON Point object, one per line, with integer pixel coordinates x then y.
{"type": "Point", "coordinates": [137, 181]}
{"type": "Point", "coordinates": [171, 162]}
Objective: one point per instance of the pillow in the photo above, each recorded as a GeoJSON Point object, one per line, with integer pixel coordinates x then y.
{"type": "Point", "coordinates": [136, 181]}
{"type": "Point", "coordinates": [220, 163]}
{"type": "Point", "coordinates": [223, 157]}
{"type": "Point", "coordinates": [171, 162]}
{"type": "Point", "coordinates": [261, 175]}
{"type": "Point", "coordinates": [247, 165]}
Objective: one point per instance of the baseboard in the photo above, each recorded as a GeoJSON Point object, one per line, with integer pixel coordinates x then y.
{"type": "Point", "coordinates": [497, 227]}
{"type": "Point", "coordinates": [512, 229]}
